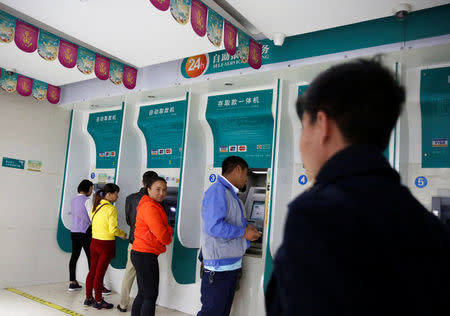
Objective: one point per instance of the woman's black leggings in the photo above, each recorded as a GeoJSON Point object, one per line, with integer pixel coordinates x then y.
{"type": "Point", "coordinates": [147, 274]}
{"type": "Point", "coordinates": [79, 241]}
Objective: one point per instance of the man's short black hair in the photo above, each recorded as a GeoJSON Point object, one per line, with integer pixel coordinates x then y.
{"type": "Point", "coordinates": [84, 186]}
{"type": "Point", "coordinates": [232, 162]}
{"type": "Point", "coordinates": [362, 97]}
{"type": "Point", "coordinates": [148, 176]}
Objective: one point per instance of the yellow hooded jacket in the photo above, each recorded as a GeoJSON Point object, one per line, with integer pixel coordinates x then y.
{"type": "Point", "coordinates": [104, 223]}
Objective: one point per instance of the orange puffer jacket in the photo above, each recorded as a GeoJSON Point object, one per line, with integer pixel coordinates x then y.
{"type": "Point", "coordinates": [152, 232]}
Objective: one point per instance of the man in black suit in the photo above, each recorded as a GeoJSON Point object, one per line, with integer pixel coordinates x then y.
{"type": "Point", "coordinates": [357, 242]}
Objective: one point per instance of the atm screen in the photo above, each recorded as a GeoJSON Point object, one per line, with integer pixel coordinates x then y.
{"type": "Point", "coordinates": [170, 206]}
{"type": "Point", "coordinates": [258, 210]}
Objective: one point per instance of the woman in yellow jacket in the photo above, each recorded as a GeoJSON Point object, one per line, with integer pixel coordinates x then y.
{"type": "Point", "coordinates": [103, 245]}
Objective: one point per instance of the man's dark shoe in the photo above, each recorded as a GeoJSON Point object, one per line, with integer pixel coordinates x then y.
{"type": "Point", "coordinates": [102, 305]}
{"type": "Point", "coordinates": [123, 310]}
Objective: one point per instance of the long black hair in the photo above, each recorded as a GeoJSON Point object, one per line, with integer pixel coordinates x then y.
{"type": "Point", "coordinates": [99, 195]}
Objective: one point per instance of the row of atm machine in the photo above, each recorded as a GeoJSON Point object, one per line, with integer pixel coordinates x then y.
{"type": "Point", "coordinates": [185, 140]}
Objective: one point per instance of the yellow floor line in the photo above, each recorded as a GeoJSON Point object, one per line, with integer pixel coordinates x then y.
{"type": "Point", "coordinates": [39, 300]}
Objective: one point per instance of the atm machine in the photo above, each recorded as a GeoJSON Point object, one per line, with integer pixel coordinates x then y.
{"type": "Point", "coordinates": [440, 207]}
{"type": "Point", "coordinates": [255, 212]}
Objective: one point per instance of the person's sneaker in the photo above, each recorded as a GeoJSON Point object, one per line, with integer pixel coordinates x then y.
{"type": "Point", "coordinates": [74, 287]}
{"type": "Point", "coordinates": [89, 301]}
{"type": "Point", "coordinates": [103, 304]}
{"type": "Point", "coordinates": [105, 291]}
{"type": "Point", "coordinates": [123, 310]}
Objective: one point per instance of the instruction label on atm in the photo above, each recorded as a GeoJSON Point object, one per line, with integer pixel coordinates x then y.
{"type": "Point", "coordinates": [163, 129]}
{"type": "Point", "coordinates": [105, 128]}
{"type": "Point", "coordinates": [242, 125]}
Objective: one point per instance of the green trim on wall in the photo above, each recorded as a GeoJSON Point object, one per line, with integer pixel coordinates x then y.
{"type": "Point", "coordinates": [120, 260]}
{"type": "Point", "coordinates": [184, 260]}
{"type": "Point", "coordinates": [268, 262]}
{"type": "Point", "coordinates": [63, 234]}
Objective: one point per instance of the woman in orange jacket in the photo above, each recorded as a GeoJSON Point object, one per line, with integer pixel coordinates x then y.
{"type": "Point", "coordinates": [151, 235]}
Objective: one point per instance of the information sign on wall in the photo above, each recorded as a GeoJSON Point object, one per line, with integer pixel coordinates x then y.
{"type": "Point", "coordinates": [242, 125]}
{"type": "Point", "coordinates": [163, 129]}
{"type": "Point", "coordinates": [105, 128]}
{"type": "Point", "coordinates": [13, 163]}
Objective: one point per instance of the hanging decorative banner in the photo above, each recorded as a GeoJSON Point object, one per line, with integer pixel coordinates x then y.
{"type": "Point", "coordinates": [26, 36]}
{"type": "Point", "coordinates": [68, 53]}
{"type": "Point", "coordinates": [230, 38]}
{"type": "Point", "coordinates": [129, 77]}
{"type": "Point", "coordinates": [199, 13]}
{"type": "Point", "coordinates": [116, 72]}
{"type": "Point", "coordinates": [215, 28]}
{"type": "Point", "coordinates": [7, 26]}
{"type": "Point", "coordinates": [24, 85]}
{"type": "Point", "coordinates": [101, 67]}
{"type": "Point", "coordinates": [255, 50]}
{"type": "Point", "coordinates": [53, 94]}
{"type": "Point", "coordinates": [180, 10]}
{"type": "Point", "coordinates": [8, 81]}
{"type": "Point", "coordinates": [162, 5]}
{"type": "Point", "coordinates": [243, 40]}
{"type": "Point", "coordinates": [48, 45]}
{"type": "Point", "coordinates": [85, 60]}
{"type": "Point", "coordinates": [39, 90]}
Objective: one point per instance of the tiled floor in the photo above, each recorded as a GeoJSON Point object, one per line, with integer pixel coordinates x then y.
{"type": "Point", "coordinates": [12, 304]}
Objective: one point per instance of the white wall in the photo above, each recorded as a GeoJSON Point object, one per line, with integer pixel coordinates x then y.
{"type": "Point", "coordinates": [31, 130]}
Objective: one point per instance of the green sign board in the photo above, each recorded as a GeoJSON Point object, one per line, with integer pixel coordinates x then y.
{"type": "Point", "coordinates": [435, 110]}
{"type": "Point", "coordinates": [13, 163]}
{"type": "Point", "coordinates": [163, 129]}
{"type": "Point", "coordinates": [242, 125]}
{"type": "Point", "coordinates": [105, 128]}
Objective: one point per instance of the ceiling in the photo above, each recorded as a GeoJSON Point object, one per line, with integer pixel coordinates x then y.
{"type": "Point", "coordinates": [138, 34]}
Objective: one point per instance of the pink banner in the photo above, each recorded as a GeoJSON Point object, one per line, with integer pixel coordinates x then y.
{"type": "Point", "coordinates": [53, 94]}
{"type": "Point", "coordinates": [199, 13]}
{"type": "Point", "coordinates": [24, 85]}
{"type": "Point", "coordinates": [101, 67]}
{"type": "Point", "coordinates": [26, 36]}
{"type": "Point", "coordinates": [67, 54]}
{"type": "Point", "coordinates": [255, 52]}
{"type": "Point", "coordinates": [162, 5]}
{"type": "Point", "coordinates": [129, 77]}
{"type": "Point", "coordinates": [230, 33]}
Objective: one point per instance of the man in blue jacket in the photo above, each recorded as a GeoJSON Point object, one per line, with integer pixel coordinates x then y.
{"type": "Point", "coordinates": [357, 242]}
{"type": "Point", "coordinates": [225, 237]}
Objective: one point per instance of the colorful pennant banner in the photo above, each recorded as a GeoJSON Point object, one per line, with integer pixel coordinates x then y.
{"type": "Point", "coordinates": [199, 13]}
{"type": "Point", "coordinates": [162, 5]}
{"type": "Point", "coordinates": [25, 86]}
{"type": "Point", "coordinates": [214, 28]}
{"type": "Point", "coordinates": [48, 45]}
{"type": "Point", "coordinates": [230, 38]}
{"type": "Point", "coordinates": [180, 10]}
{"type": "Point", "coordinates": [30, 38]}
{"type": "Point", "coordinates": [26, 36]}
{"type": "Point", "coordinates": [206, 21]}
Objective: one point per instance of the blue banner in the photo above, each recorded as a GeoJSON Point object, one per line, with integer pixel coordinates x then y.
{"type": "Point", "coordinates": [105, 128]}
{"type": "Point", "coordinates": [242, 125]}
{"type": "Point", "coordinates": [163, 129]}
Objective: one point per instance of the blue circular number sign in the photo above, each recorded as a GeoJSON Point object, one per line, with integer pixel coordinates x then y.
{"type": "Point", "coordinates": [212, 177]}
{"type": "Point", "coordinates": [421, 182]}
{"type": "Point", "coordinates": [303, 179]}
{"type": "Point", "coordinates": [92, 175]}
